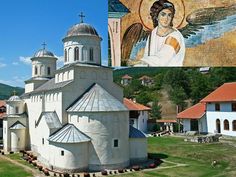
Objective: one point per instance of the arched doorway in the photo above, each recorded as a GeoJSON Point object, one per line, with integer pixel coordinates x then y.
{"type": "Point", "coordinates": [218, 126]}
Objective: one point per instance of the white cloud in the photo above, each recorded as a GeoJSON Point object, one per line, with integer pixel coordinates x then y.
{"type": "Point", "coordinates": [15, 63]}
{"type": "Point", "coordinates": [60, 61]}
{"type": "Point", "coordinates": [25, 60]}
{"type": "Point", "coordinates": [16, 81]}
{"type": "Point", "coordinates": [105, 62]}
{"type": "Point", "coordinates": [2, 65]}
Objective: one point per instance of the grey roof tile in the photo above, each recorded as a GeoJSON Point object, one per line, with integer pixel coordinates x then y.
{"type": "Point", "coordinates": [135, 133]}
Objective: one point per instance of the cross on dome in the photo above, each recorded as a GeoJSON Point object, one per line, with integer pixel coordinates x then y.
{"type": "Point", "coordinates": [81, 17]}
{"type": "Point", "coordinates": [44, 45]}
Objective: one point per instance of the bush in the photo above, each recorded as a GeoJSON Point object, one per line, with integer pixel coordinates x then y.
{"type": "Point", "coordinates": [11, 152]}
{"type": "Point", "coordinates": [104, 172]}
{"type": "Point", "coordinates": [45, 171]}
{"type": "Point", "coordinates": [86, 175]}
{"type": "Point", "coordinates": [156, 127]}
{"type": "Point", "coordinates": [136, 167]}
{"type": "Point", "coordinates": [121, 170]}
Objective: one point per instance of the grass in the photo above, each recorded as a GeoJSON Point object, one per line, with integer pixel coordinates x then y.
{"type": "Point", "coordinates": [197, 156]}
{"type": "Point", "coordinates": [8, 169]}
{"type": "Point", "coordinates": [18, 157]}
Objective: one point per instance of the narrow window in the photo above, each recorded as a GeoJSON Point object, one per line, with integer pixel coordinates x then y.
{"type": "Point", "coordinates": [217, 107]}
{"type": "Point", "coordinates": [49, 71]}
{"type": "Point", "coordinates": [91, 54]}
{"type": "Point", "coordinates": [226, 124]}
{"type": "Point", "coordinates": [233, 106]}
{"type": "Point", "coordinates": [234, 125]}
{"type": "Point", "coordinates": [116, 143]}
{"type": "Point", "coordinates": [35, 70]}
{"type": "Point", "coordinates": [116, 27]}
{"type": "Point", "coordinates": [62, 153]}
{"type": "Point", "coordinates": [76, 53]}
{"type": "Point", "coordinates": [17, 110]}
{"type": "Point", "coordinates": [42, 140]}
{"type": "Point", "coordinates": [65, 53]}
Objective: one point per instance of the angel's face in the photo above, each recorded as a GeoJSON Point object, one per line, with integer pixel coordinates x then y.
{"type": "Point", "coordinates": [165, 18]}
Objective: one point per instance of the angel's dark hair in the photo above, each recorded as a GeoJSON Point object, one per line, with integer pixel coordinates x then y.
{"type": "Point", "coordinates": [157, 7]}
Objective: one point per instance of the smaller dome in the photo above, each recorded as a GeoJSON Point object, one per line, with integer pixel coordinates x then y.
{"type": "Point", "coordinates": [81, 29]}
{"type": "Point", "coordinates": [43, 53]}
{"type": "Point", "coordinates": [14, 98]}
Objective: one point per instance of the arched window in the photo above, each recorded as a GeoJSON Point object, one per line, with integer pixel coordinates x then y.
{"type": "Point", "coordinates": [49, 71]}
{"type": "Point", "coordinates": [234, 125]}
{"type": "Point", "coordinates": [36, 70]}
{"type": "Point", "coordinates": [65, 53]}
{"type": "Point", "coordinates": [85, 54]}
{"type": "Point", "coordinates": [76, 53]}
{"type": "Point", "coordinates": [91, 54]}
{"type": "Point", "coordinates": [70, 53]}
{"type": "Point", "coordinates": [226, 124]}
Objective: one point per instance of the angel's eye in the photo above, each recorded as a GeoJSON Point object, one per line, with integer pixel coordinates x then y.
{"type": "Point", "coordinates": [163, 14]}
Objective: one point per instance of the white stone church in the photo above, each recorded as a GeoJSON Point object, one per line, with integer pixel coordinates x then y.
{"type": "Point", "coordinates": [73, 118]}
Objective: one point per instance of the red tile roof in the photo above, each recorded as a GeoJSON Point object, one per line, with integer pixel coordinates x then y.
{"type": "Point", "coordinates": [224, 93]}
{"type": "Point", "coordinates": [132, 106]}
{"type": "Point", "coordinates": [126, 77]}
{"type": "Point", "coordinates": [145, 78]}
{"type": "Point", "coordinates": [194, 112]}
{"type": "Point", "coordinates": [166, 121]}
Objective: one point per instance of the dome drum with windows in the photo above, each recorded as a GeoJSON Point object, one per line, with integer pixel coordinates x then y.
{"type": "Point", "coordinates": [82, 44]}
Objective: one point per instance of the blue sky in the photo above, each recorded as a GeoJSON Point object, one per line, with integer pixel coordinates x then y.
{"type": "Point", "coordinates": [26, 24]}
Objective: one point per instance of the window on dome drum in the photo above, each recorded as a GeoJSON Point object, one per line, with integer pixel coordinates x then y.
{"type": "Point", "coordinates": [217, 107]}
{"type": "Point", "coordinates": [226, 124]}
{"type": "Point", "coordinates": [16, 110]}
{"type": "Point", "coordinates": [233, 106]}
{"type": "Point", "coordinates": [116, 143]}
{"type": "Point", "coordinates": [91, 54]}
{"type": "Point", "coordinates": [35, 70]}
{"type": "Point", "coordinates": [65, 53]}
{"type": "Point", "coordinates": [42, 140]}
{"type": "Point", "coordinates": [49, 71]}
{"type": "Point", "coordinates": [76, 55]}
{"type": "Point", "coordinates": [62, 153]}
{"type": "Point", "coordinates": [234, 125]}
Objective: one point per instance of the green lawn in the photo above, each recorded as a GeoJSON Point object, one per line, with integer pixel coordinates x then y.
{"type": "Point", "coordinates": [8, 169]}
{"type": "Point", "coordinates": [198, 157]}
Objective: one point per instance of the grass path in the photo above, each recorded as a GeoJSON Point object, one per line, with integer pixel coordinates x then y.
{"type": "Point", "coordinates": [32, 171]}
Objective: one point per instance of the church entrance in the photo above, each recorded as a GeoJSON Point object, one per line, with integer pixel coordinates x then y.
{"type": "Point", "coordinates": [218, 126]}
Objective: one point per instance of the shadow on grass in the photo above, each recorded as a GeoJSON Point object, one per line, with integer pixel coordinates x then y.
{"type": "Point", "coordinates": [157, 156]}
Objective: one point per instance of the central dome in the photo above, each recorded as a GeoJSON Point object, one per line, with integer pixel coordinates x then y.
{"type": "Point", "coordinates": [81, 29]}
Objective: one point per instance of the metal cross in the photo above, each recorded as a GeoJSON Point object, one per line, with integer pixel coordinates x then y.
{"type": "Point", "coordinates": [14, 92]}
{"type": "Point", "coordinates": [44, 45]}
{"type": "Point", "coordinates": [81, 17]}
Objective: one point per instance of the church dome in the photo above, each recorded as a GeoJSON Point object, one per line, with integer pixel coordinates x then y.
{"type": "Point", "coordinates": [43, 53]}
{"type": "Point", "coordinates": [81, 29]}
{"type": "Point", "coordinates": [14, 98]}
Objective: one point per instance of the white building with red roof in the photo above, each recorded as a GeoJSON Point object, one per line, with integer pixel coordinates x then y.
{"type": "Point", "coordinates": [138, 114]}
{"type": "Point", "coordinates": [126, 79]}
{"type": "Point", "coordinates": [216, 112]}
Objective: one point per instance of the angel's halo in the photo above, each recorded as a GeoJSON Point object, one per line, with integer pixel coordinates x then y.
{"type": "Point", "coordinates": [145, 18]}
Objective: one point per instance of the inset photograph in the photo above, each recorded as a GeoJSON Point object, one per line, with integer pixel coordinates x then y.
{"type": "Point", "coordinates": [171, 33]}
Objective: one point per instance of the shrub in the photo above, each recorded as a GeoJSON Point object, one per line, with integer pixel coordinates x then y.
{"type": "Point", "coordinates": [152, 165]}
{"type": "Point", "coordinates": [121, 170]}
{"type": "Point", "coordinates": [45, 171]}
{"type": "Point", "coordinates": [86, 175]}
{"type": "Point", "coordinates": [104, 172]}
{"type": "Point", "coordinates": [11, 152]}
{"type": "Point", "coordinates": [136, 168]}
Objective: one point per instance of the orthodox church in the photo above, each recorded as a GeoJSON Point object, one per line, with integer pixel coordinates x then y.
{"type": "Point", "coordinates": [73, 118]}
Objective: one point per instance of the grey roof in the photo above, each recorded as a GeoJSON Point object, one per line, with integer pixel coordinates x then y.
{"type": "Point", "coordinates": [51, 85]}
{"type": "Point", "coordinates": [96, 99]}
{"type": "Point", "coordinates": [17, 125]}
{"type": "Point", "coordinates": [51, 119]}
{"type": "Point", "coordinates": [135, 133]}
{"type": "Point", "coordinates": [43, 53]}
{"type": "Point", "coordinates": [14, 98]}
{"type": "Point", "coordinates": [69, 134]}
{"type": "Point", "coordinates": [81, 29]}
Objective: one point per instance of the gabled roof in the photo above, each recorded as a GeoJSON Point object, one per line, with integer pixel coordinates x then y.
{"type": "Point", "coordinates": [194, 112]}
{"type": "Point", "coordinates": [69, 134]}
{"type": "Point", "coordinates": [132, 106]}
{"type": "Point", "coordinates": [135, 133]}
{"type": "Point", "coordinates": [224, 93]}
{"type": "Point", "coordinates": [17, 125]}
{"type": "Point", "coordinates": [51, 119]}
{"type": "Point", "coordinates": [96, 99]}
{"type": "Point", "coordinates": [126, 77]}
